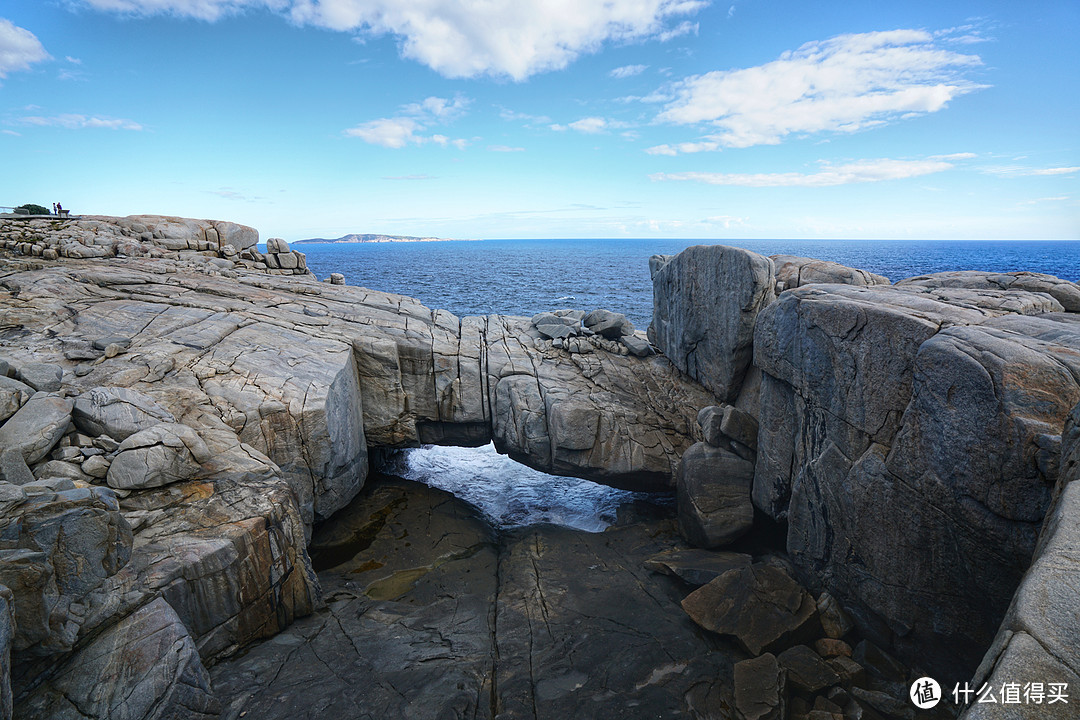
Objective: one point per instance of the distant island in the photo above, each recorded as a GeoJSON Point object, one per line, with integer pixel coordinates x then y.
{"type": "Point", "coordinates": [374, 238]}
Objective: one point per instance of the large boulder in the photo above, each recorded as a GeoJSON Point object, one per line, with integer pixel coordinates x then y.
{"type": "Point", "coordinates": [705, 302]}
{"type": "Point", "coordinates": [909, 437]}
{"type": "Point", "coordinates": [609, 324]}
{"type": "Point", "coordinates": [37, 426]}
{"type": "Point", "coordinates": [759, 605]}
{"type": "Point", "coordinates": [792, 271]}
{"type": "Point", "coordinates": [45, 377]}
{"type": "Point", "coordinates": [163, 454]}
{"type": "Point", "coordinates": [117, 412]}
{"type": "Point", "coordinates": [713, 495]}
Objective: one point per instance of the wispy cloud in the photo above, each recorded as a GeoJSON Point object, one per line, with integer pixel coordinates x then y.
{"type": "Point", "coordinates": [514, 116]}
{"type": "Point", "coordinates": [73, 121]}
{"type": "Point", "coordinates": [1014, 171]}
{"type": "Point", "coordinates": [19, 48]}
{"type": "Point", "coordinates": [231, 194]}
{"type": "Point", "coordinates": [861, 171]}
{"type": "Point", "coordinates": [626, 71]}
{"type": "Point", "coordinates": [590, 125]}
{"type": "Point", "coordinates": [504, 148]}
{"type": "Point", "coordinates": [843, 84]}
{"type": "Point", "coordinates": [1039, 201]}
{"type": "Point", "coordinates": [401, 130]}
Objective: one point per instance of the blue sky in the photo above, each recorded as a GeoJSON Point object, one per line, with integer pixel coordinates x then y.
{"type": "Point", "coordinates": [550, 118]}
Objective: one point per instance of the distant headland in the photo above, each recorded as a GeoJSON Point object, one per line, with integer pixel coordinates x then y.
{"type": "Point", "coordinates": [375, 238]}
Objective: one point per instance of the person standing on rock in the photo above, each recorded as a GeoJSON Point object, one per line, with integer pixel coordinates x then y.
{"type": "Point", "coordinates": [54, 208]}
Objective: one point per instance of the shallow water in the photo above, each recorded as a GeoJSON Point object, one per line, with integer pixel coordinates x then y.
{"type": "Point", "coordinates": [510, 494]}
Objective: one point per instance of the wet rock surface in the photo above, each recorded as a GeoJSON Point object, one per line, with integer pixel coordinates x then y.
{"type": "Point", "coordinates": [436, 616]}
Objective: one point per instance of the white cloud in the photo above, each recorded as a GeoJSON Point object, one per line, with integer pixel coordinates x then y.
{"type": "Point", "coordinates": [19, 48]}
{"type": "Point", "coordinates": [466, 38]}
{"type": "Point", "coordinates": [389, 132]}
{"type": "Point", "coordinates": [626, 71]}
{"type": "Point", "coordinates": [399, 131]}
{"type": "Point", "coordinates": [1011, 171]}
{"type": "Point", "coordinates": [684, 28]}
{"type": "Point", "coordinates": [861, 171]}
{"type": "Point", "coordinates": [843, 84]}
{"type": "Point", "coordinates": [590, 125]}
{"type": "Point", "coordinates": [72, 121]}
{"type": "Point", "coordinates": [504, 148]}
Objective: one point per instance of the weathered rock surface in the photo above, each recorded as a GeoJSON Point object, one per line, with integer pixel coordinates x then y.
{"type": "Point", "coordinates": [705, 303]}
{"type": "Point", "coordinates": [806, 670]}
{"type": "Point", "coordinates": [37, 426]}
{"type": "Point", "coordinates": [760, 606]}
{"type": "Point", "coordinates": [162, 454]}
{"type": "Point", "coordinates": [1038, 639]}
{"type": "Point", "coordinates": [791, 271]}
{"type": "Point", "coordinates": [695, 566]}
{"type": "Point", "coordinates": [909, 436]}
{"type": "Point", "coordinates": [7, 639]}
{"type": "Point", "coordinates": [760, 689]}
{"type": "Point", "coordinates": [231, 409]}
{"type": "Point", "coordinates": [436, 617]}
{"type": "Point", "coordinates": [1065, 292]}
{"type": "Point", "coordinates": [293, 364]}
{"type": "Point", "coordinates": [151, 649]}
{"type": "Point", "coordinates": [713, 494]}
{"type": "Point", "coordinates": [117, 412]}
{"type": "Point", "coordinates": [13, 395]}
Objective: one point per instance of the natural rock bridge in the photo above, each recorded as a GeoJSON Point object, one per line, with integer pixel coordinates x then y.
{"type": "Point", "coordinates": [313, 374]}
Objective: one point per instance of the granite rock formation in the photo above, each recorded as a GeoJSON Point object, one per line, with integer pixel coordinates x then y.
{"type": "Point", "coordinates": [908, 435]}
{"type": "Point", "coordinates": [184, 411]}
{"type": "Point", "coordinates": [1037, 641]}
{"type": "Point", "coordinates": [179, 410]}
{"type": "Point", "coordinates": [705, 303]}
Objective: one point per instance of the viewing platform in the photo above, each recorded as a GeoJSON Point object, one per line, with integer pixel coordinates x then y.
{"type": "Point", "coordinates": [13, 213]}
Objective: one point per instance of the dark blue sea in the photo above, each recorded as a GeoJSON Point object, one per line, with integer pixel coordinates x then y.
{"type": "Point", "coordinates": [524, 277]}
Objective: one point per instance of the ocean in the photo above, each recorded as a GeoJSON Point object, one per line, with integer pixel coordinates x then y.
{"type": "Point", "coordinates": [524, 277]}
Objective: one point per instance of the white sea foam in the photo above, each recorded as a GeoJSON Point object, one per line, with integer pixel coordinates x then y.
{"type": "Point", "coordinates": [510, 494]}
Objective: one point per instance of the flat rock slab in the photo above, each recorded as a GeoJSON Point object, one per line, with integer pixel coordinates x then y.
{"type": "Point", "coordinates": [431, 614]}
